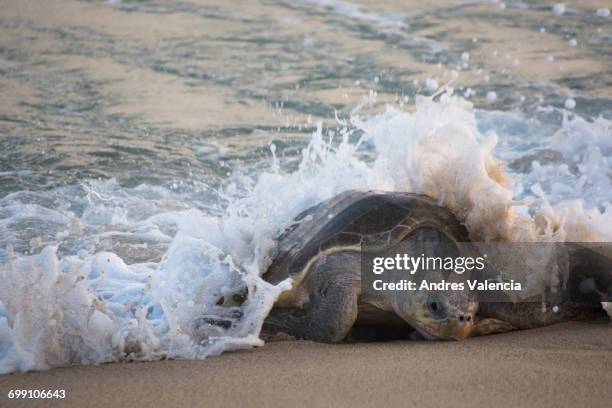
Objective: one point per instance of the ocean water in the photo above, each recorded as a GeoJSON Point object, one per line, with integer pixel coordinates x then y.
{"type": "Point", "coordinates": [152, 151]}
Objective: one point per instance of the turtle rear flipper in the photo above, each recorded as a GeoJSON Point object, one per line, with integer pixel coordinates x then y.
{"type": "Point", "coordinates": [332, 310]}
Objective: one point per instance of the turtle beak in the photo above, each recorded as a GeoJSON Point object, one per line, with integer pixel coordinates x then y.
{"type": "Point", "coordinates": [457, 327]}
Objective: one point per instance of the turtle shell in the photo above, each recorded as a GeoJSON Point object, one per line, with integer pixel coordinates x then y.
{"type": "Point", "coordinates": [356, 220]}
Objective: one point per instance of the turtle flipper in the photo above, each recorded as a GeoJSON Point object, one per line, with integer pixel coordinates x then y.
{"type": "Point", "coordinates": [328, 319]}
{"type": "Point", "coordinates": [531, 315]}
{"type": "Point", "coordinates": [491, 326]}
{"type": "Point", "coordinates": [330, 314]}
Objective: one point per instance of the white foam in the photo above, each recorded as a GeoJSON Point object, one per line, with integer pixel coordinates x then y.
{"type": "Point", "coordinates": [559, 9]}
{"type": "Point", "coordinates": [431, 84]}
{"type": "Point", "coordinates": [394, 24]}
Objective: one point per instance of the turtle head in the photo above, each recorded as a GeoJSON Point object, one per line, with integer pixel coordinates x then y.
{"type": "Point", "coordinates": [439, 315]}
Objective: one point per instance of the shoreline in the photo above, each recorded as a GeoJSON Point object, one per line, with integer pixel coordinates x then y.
{"type": "Point", "coordinates": [568, 364]}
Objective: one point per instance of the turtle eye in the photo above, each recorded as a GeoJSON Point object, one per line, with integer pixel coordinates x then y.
{"type": "Point", "coordinates": [436, 307]}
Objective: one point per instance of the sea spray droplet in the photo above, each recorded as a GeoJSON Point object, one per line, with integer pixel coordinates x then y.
{"type": "Point", "coordinates": [431, 84]}
{"type": "Point", "coordinates": [570, 103]}
{"type": "Point", "coordinates": [559, 9]}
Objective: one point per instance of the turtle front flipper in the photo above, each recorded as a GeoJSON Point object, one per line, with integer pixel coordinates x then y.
{"type": "Point", "coordinates": [491, 326]}
{"type": "Point", "coordinates": [331, 311]}
{"type": "Point", "coordinates": [529, 315]}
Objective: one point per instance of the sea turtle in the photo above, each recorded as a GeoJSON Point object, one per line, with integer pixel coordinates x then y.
{"type": "Point", "coordinates": [329, 302]}
{"type": "Point", "coordinates": [322, 252]}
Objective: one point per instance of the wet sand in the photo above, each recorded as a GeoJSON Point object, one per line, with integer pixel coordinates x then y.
{"type": "Point", "coordinates": [563, 365]}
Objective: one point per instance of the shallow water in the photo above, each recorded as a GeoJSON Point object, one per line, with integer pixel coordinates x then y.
{"type": "Point", "coordinates": [151, 151]}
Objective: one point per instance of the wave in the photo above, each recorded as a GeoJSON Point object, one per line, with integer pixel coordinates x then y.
{"type": "Point", "coordinates": [98, 272]}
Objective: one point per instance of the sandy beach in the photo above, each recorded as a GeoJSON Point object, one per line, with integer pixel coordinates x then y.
{"type": "Point", "coordinates": [156, 156]}
{"type": "Point", "coordinates": [563, 365]}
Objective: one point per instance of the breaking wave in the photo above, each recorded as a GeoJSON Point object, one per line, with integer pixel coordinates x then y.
{"type": "Point", "coordinates": [98, 272]}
